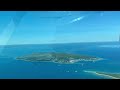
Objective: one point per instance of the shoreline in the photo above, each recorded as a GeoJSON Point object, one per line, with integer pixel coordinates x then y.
{"type": "Point", "coordinates": [93, 72]}
{"type": "Point", "coordinates": [77, 62]}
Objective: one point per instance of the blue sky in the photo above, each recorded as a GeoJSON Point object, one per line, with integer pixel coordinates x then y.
{"type": "Point", "coordinates": [38, 27]}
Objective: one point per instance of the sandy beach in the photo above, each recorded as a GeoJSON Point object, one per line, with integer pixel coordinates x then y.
{"type": "Point", "coordinates": [101, 74]}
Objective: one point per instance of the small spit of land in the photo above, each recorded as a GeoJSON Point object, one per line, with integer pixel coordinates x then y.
{"type": "Point", "coordinates": [63, 58]}
{"type": "Point", "coordinates": [105, 74]}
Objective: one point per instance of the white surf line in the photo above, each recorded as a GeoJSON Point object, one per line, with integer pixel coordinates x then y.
{"type": "Point", "coordinates": [101, 74]}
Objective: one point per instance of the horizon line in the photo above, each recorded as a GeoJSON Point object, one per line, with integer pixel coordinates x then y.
{"type": "Point", "coordinates": [59, 43]}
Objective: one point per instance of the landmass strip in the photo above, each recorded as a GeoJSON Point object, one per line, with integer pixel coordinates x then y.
{"type": "Point", "coordinates": [63, 58]}
{"type": "Point", "coordinates": [105, 74]}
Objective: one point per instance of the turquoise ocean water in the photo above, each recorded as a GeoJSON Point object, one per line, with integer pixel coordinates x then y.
{"type": "Point", "coordinates": [10, 68]}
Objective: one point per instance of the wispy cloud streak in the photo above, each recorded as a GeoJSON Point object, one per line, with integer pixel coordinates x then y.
{"type": "Point", "coordinates": [77, 19]}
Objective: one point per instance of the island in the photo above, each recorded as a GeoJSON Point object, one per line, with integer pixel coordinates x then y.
{"type": "Point", "coordinates": [64, 58]}
{"type": "Point", "coordinates": [105, 74]}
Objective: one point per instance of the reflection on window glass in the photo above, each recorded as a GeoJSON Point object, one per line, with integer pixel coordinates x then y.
{"type": "Point", "coordinates": [59, 44]}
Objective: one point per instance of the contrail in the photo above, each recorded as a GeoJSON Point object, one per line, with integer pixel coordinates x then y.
{"type": "Point", "coordinates": [8, 31]}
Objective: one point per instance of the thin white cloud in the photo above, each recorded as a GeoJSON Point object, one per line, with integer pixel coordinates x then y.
{"type": "Point", "coordinates": [77, 19]}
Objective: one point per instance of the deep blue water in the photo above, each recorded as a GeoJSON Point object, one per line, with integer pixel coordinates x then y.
{"type": "Point", "coordinates": [10, 68]}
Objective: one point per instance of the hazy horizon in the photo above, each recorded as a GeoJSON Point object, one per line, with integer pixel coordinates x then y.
{"type": "Point", "coordinates": [59, 43]}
